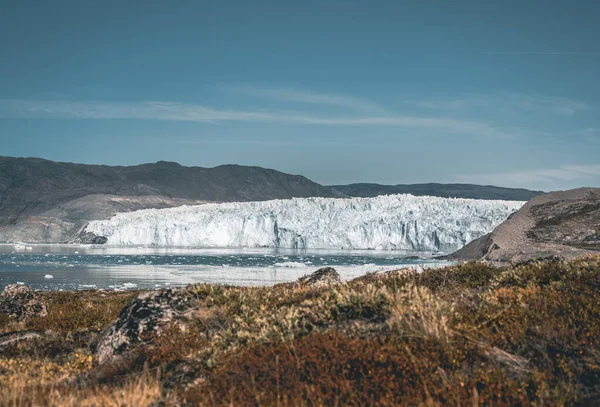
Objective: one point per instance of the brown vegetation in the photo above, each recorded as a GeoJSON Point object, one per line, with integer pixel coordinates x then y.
{"type": "Point", "coordinates": [463, 335]}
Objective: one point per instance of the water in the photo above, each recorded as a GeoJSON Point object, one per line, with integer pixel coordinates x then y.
{"type": "Point", "coordinates": [73, 267]}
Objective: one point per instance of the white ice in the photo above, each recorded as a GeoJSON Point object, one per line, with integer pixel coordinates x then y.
{"type": "Point", "coordinates": [393, 222]}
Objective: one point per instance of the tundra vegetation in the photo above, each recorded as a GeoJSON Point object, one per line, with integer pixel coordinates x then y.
{"type": "Point", "coordinates": [468, 334]}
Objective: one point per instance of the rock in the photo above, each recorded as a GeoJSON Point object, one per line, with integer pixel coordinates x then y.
{"type": "Point", "coordinates": [144, 317]}
{"type": "Point", "coordinates": [90, 238]}
{"type": "Point", "coordinates": [21, 302]}
{"type": "Point", "coordinates": [557, 226]}
{"type": "Point", "coordinates": [322, 277]}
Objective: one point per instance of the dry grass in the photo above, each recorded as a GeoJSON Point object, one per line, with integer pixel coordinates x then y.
{"type": "Point", "coordinates": [143, 391]}
{"type": "Point", "coordinates": [463, 335]}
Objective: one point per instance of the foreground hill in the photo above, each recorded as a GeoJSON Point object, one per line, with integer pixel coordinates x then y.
{"type": "Point", "coordinates": [563, 223]}
{"type": "Point", "coordinates": [43, 200]}
{"type": "Point", "coordinates": [467, 335]}
{"type": "Point", "coordinates": [441, 190]}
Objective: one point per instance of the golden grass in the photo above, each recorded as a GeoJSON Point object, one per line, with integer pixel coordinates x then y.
{"type": "Point", "coordinates": [462, 335]}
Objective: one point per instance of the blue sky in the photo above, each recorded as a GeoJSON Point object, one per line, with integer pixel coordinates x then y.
{"type": "Point", "coordinates": [491, 92]}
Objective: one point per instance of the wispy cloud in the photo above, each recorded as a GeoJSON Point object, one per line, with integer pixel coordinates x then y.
{"type": "Point", "coordinates": [591, 135]}
{"type": "Point", "coordinates": [296, 96]}
{"type": "Point", "coordinates": [565, 176]}
{"type": "Point", "coordinates": [509, 100]}
{"type": "Point", "coordinates": [197, 113]}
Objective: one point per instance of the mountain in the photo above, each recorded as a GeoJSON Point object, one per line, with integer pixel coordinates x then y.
{"type": "Point", "coordinates": [47, 201]}
{"type": "Point", "coordinates": [394, 222]}
{"type": "Point", "coordinates": [562, 223]}
{"type": "Point", "coordinates": [441, 190]}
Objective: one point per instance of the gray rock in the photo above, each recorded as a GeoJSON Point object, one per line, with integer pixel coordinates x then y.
{"type": "Point", "coordinates": [21, 302]}
{"type": "Point", "coordinates": [322, 277]}
{"type": "Point", "coordinates": [90, 238]}
{"type": "Point", "coordinates": [143, 318]}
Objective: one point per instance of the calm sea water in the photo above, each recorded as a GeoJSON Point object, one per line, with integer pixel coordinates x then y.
{"type": "Point", "coordinates": [69, 267]}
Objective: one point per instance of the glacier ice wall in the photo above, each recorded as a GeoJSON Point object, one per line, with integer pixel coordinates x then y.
{"type": "Point", "coordinates": [401, 222]}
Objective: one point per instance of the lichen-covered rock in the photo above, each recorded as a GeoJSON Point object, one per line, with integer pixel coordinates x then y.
{"type": "Point", "coordinates": [144, 317]}
{"type": "Point", "coordinates": [21, 302]}
{"type": "Point", "coordinates": [322, 277]}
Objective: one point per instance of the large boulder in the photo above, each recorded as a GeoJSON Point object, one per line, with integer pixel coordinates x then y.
{"type": "Point", "coordinates": [325, 276]}
{"type": "Point", "coordinates": [21, 302]}
{"type": "Point", "coordinates": [563, 223]}
{"type": "Point", "coordinates": [143, 318]}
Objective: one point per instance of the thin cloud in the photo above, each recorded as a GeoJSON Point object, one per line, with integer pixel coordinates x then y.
{"type": "Point", "coordinates": [202, 114]}
{"type": "Point", "coordinates": [509, 100]}
{"type": "Point", "coordinates": [565, 176]}
{"type": "Point", "coordinates": [296, 96]}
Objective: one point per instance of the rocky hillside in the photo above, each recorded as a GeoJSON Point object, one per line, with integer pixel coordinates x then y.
{"type": "Point", "coordinates": [441, 190]}
{"type": "Point", "coordinates": [564, 223]}
{"type": "Point", "coordinates": [46, 201]}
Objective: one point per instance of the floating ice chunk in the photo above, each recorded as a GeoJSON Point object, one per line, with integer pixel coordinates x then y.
{"type": "Point", "coordinates": [29, 248]}
{"type": "Point", "coordinates": [75, 252]}
{"type": "Point", "coordinates": [129, 285]}
{"type": "Point", "coordinates": [20, 283]}
{"type": "Point", "coordinates": [48, 276]}
{"type": "Point", "coordinates": [289, 264]}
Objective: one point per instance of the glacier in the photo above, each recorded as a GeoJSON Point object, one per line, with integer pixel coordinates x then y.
{"type": "Point", "coordinates": [390, 222]}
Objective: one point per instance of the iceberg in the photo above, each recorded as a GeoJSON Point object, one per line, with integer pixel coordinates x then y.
{"type": "Point", "coordinates": [391, 222]}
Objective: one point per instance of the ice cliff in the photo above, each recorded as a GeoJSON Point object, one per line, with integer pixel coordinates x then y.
{"type": "Point", "coordinates": [402, 222]}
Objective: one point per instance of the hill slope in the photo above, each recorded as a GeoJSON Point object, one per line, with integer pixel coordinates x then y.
{"type": "Point", "coordinates": [36, 193]}
{"type": "Point", "coordinates": [564, 223]}
{"type": "Point", "coordinates": [441, 190]}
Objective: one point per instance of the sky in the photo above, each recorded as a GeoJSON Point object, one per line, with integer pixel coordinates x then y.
{"type": "Point", "coordinates": [500, 92]}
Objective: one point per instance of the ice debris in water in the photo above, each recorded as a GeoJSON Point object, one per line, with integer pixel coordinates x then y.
{"type": "Point", "coordinates": [392, 222]}
{"type": "Point", "coordinates": [48, 276]}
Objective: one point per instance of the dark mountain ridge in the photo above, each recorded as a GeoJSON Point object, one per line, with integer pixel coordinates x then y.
{"type": "Point", "coordinates": [366, 190]}
{"type": "Point", "coordinates": [31, 186]}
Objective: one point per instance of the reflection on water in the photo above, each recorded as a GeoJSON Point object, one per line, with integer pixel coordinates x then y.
{"type": "Point", "coordinates": [81, 267]}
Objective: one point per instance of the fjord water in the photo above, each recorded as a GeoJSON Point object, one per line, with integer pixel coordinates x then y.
{"type": "Point", "coordinates": [72, 267]}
